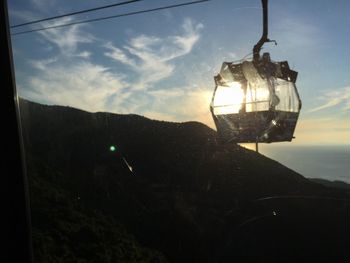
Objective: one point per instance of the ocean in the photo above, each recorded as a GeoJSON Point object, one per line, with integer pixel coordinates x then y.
{"type": "Point", "coordinates": [331, 162]}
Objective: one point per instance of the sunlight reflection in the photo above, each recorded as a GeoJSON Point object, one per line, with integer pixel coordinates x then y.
{"type": "Point", "coordinates": [249, 146]}
{"type": "Point", "coordinates": [228, 99]}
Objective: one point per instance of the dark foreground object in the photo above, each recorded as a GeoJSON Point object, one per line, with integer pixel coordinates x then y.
{"type": "Point", "coordinates": [187, 197]}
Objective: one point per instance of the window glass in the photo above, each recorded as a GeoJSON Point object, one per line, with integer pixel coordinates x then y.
{"type": "Point", "coordinates": [123, 156]}
{"type": "Point", "coordinates": [258, 96]}
{"type": "Point", "coordinates": [228, 99]}
{"type": "Point", "coordinates": [287, 97]}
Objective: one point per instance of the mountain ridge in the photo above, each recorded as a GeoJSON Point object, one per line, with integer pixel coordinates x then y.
{"type": "Point", "coordinates": [185, 190]}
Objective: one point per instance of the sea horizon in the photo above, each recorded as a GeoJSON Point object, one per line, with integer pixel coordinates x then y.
{"type": "Point", "coordinates": [329, 162]}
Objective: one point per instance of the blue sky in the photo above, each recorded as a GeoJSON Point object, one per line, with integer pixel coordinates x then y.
{"type": "Point", "coordinates": [161, 64]}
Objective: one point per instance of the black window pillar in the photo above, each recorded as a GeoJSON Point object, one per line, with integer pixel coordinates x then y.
{"type": "Point", "coordinates": [16, 234]}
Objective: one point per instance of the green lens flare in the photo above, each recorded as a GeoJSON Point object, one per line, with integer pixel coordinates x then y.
{"type": "Point", "coordinates": [112, 148]}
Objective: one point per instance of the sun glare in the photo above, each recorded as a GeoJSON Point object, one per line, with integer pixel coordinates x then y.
{"type": "Point", "coordinates": [228, 99]}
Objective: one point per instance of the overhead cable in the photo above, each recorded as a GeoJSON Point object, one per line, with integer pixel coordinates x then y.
{"type": "Point", "coordinates": [110, 17]}
{"type": "Point", "coordinates": [75, 13]}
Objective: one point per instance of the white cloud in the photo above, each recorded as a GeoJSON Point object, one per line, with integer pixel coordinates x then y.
{"type": "Point", "coordinates": [82, 85]}
{"type": "Point", "coordinates": [66, 39]}
{"type": "Point", "coordinates": [339, 97]}
{"type": "Point", "coordinates": [43, 63]}
{"type": "Point", "coordinates": [151, 56]}
{"type": "Point", "coordinates": [117, 54]}
{"type": "Point", "coordinates": [182, 104]}
{"type": "Point", "coordinates": [189, 39]}
{"type": "Point", "coordinates": [74, 81]}
{"type": "Point", "coordinates": [84, 54]}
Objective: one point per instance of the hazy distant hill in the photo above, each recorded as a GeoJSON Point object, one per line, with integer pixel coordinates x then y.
{"type": "Point", "coordinates": [188, 197]}
{"type": "Point", "coordinates": [333, 184]}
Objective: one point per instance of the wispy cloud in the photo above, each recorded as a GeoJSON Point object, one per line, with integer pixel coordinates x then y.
{"type": "Point", "coordinates": [82, 84]}
{"type": "Point", "coordinates": [84, 54]}
{"type": "Point", "coordinates": [119, 55]}
{"type": "Point", "coordinates": [42, 64]}
{"type": "Point", "coordinates": [153, 59]}
{"type": "Point", "coordinates": [182, 104]}
{"type": "Point", "coordinates": [339, 97]}
{"type": "Point", "coordinates": [150, 56]}
{"type": "Point", "coordinates": [66, 39]}
{"type": "Point", "coordinates": [72, 77]}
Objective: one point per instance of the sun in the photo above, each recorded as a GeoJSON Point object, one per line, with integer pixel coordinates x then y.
{"type": "Point", "coordinates": [228, 99]}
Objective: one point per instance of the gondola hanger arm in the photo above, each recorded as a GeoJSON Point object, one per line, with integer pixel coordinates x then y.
{"type": "Point", "coordinates": [264, 38]}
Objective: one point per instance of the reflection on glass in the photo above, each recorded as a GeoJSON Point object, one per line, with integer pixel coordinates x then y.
{"type": "Point", "coordinates": [288, 98]}
{"type": "Point", "coordinates": [258, 96]}
{"type": "Point", "coordinates": [228, 99]}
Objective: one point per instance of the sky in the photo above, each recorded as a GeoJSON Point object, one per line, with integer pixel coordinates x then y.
{"type": "Point", "coordinates": [161, 64]}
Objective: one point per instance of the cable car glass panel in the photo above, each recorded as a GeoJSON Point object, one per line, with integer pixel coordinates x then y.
{"type": "Point", "coordinates": [257, 96]}
{"type": "Point", "coordinates": [228, 99]}
{"type": "Point", "coordinates": [288, 97]}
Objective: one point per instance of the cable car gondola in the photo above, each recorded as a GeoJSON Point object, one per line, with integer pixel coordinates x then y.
{"type": "Point", "coordinates": [256, 101]}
